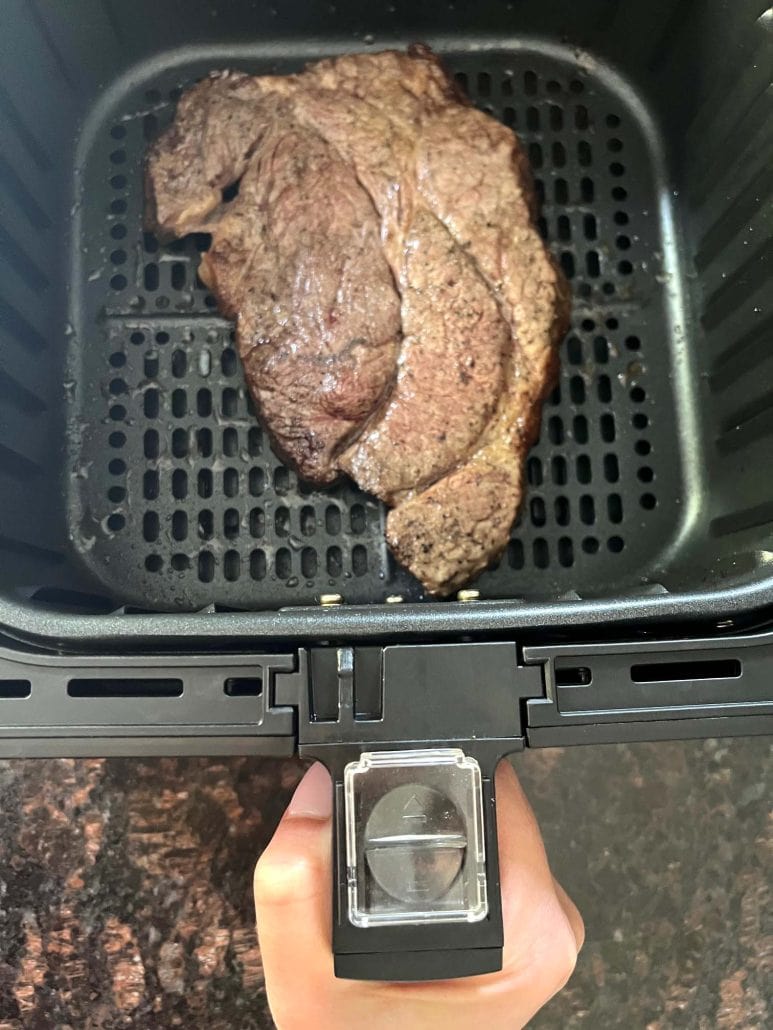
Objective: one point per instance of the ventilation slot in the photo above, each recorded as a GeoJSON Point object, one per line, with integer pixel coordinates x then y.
{"type": "Point", "coordinates": [14, 689]}
{"type": "Point", "coordinates": [576, 676]}
{"type": "Point", "coordinates": [105, 688]}
{"type": "Point", "coordinates": [243, 686]}
{"type": "Point", "coordinates": [665, 672]}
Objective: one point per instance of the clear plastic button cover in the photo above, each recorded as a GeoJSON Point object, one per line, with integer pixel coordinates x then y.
{"type": "Point", "coordinates": [415, 849]}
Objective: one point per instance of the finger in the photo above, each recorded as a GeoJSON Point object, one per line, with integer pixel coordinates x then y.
{"type": "Point", "coordinates": [293, 902]}
{"type": "Point", "coordinates": [540, 948]}
{"type": "Point", "coordinates": [572, 914]}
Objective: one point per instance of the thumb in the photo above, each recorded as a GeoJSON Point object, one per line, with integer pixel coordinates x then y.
{"type": "Point", "coordinates": [293, 900]}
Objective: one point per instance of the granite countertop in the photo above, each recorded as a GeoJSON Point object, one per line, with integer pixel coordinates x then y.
{"type": "Point", "coordinates": [125, 886]}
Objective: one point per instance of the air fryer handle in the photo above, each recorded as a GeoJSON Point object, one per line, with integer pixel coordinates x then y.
{"type": "Point", "coordinates": [412, 741]}
{"type": "Point", "coordinates": [416, 867]}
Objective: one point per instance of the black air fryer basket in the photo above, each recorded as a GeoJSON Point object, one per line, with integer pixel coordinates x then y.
{"type": "Point", "coordinates": [168, 586]}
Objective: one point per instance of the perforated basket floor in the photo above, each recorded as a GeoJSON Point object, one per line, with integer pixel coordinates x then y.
{"type": "Point", "coordinates": [177, 502]}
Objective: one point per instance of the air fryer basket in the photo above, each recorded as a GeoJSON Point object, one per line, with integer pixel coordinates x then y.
{"type": "Point", "coordinates": [175, 498]}
{"type": "Point", "coordinates": [132, 470]}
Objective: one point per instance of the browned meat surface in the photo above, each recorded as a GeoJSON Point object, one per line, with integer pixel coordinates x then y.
{"type": "Point", "coordinates": [488, 209]}
{"type": "Point", "coordinates": [206, 150]}
{"type": "Point", "coordinates": [397, 312]}
{"type": "Point", "coordinates": [296, 260]}
{"type": "Point", "coordinates": [450, 374]}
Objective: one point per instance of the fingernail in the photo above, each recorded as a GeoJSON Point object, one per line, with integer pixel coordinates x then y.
{"type": "Point", "coordinates": [313, 798]}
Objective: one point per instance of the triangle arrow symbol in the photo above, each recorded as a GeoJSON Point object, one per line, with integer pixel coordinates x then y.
{"type": "Point", "coordinates": [413, 810]}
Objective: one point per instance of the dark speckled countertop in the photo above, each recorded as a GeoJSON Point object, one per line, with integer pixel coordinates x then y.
{"type": "Point", "coordinates": [125, 887]}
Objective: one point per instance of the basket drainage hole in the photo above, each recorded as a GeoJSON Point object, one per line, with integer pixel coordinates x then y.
{"type": "Point", "coordinates": [515, 557]}
{"type": "Point", "coordinates": [540, 553]}
{"type": "Point", "coordinates": [179, 484]}
{"type": "Point", "coordinates": [232, 566]}
{"type": "Point", "coordinates": [150, 526]}
{"type": "Point", "coordinates": [153, 563]}
{"type": "Point", "coordinates": [334, 561]}
{"type": "Point", "coordinates": [150, 443]}
{"type": "Point", "coordinates": [204, 403]}
{"type": "Point", "coordinates": [565, 552]}
{"type": "Point", "coordinates": [115, 523]}
{"type": "Point", "coordinates": [615, 508]}
{"type": "Point", "coordinates": [179, 527]}
{"type": "Point", "coordinates": [231, 522]}
{"type": "Point", "coordinates": [558, 470]}
{"type": "Point", "coordinates": [206, 526]}
{"type": "Point", "coordinates": [228, 361]}
{"type": "Point", "coordinates": [180, 443]}
{"type": "Point", "coordinates": [205, 483]}
{"type": "Point", "coordinates": [611, 468]}
{"type": "Point", "coordinates": [258, 565]}
{"type": "Point", "coordinates": [309, 562]}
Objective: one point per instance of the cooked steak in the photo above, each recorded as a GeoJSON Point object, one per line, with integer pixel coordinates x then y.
{"type": "Point", "coordinates": [397, 313]}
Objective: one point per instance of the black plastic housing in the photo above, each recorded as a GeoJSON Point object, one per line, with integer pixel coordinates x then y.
{"type": "Point", "coordinates": [133, 477]}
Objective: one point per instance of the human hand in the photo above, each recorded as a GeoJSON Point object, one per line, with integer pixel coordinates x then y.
{"type": "Point", "coordinates": [543, 930]}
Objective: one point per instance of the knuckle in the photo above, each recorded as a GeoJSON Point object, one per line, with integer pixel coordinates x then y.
{"type": "Point", "coordinates": [564, 953]}
{"type": "Point", "coordinates": [283, 880]}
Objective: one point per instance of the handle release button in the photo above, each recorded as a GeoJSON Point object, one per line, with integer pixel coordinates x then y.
{"type": "Point", "coordinates": [414, 836]}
